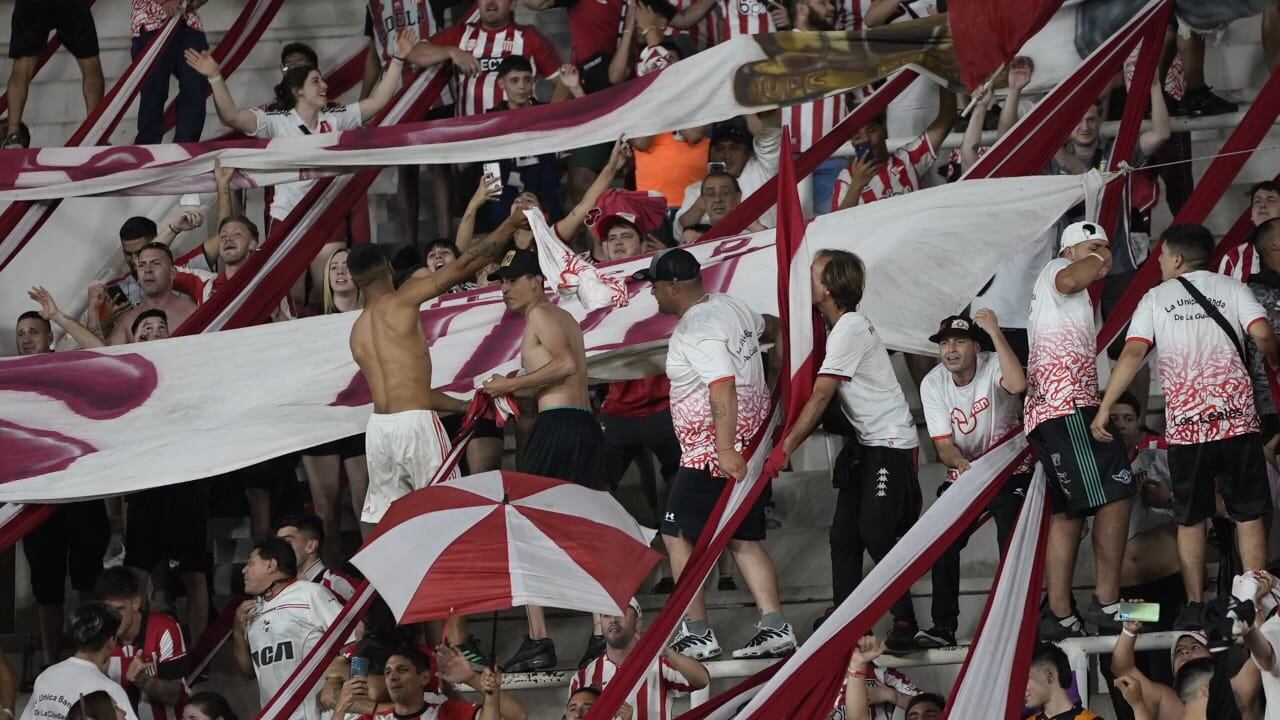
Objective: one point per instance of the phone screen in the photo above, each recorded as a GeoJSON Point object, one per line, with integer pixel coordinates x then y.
{"type": "Point", "coordinates": [1138, 612]}
{"type": "Point", "coordinates": [359, 667]}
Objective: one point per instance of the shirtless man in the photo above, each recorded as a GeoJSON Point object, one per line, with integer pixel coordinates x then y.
{"type": "Point", "coordinates": [155, 275]}
{"type": "Point", "coordinates": [566, 438]}
{"type": "Point", "coordinates": [405, 442]}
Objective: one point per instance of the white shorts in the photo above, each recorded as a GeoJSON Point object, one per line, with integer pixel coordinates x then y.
{"type": "Point", "coordinates": [404, 450]}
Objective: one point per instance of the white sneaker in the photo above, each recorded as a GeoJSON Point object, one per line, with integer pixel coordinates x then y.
{"type": "Point", "coordinates": [768, 643]}
{"type": "Point", "coordinates": [698, 647]}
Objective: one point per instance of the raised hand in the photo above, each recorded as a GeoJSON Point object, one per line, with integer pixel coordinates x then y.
{"type": "Point", "coordinates": [570, 77]}
{"type": "Point", "coordinates": [869, 648]}
{"type": "Point", "coordinates": [987, 320]}
{"type": "Point", "coordinates": [404, 42]}
{"type": "Point", "coordinates": [48, 308]}
{"type": "Point", "coordinates": [203, 62]}
{"type": "Point", "coordinates": [1020, 71]}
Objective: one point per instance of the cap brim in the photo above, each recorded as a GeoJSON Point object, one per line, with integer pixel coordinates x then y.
{"type": "Point", "coordinates": [642, 275]}
{"type": "Point", "coordinates": [505, 274]}
{"type": "Point", "coordinates": [953, 332]}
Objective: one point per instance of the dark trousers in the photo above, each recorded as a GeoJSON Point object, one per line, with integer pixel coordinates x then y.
{"type": "Point", "coordinates": [878, 501]}
{"type": "Point", "coordinates": [625, 437]}
{"type": "Point", "coordinates": [1004, 511]}
{"type": "Point", "coordinates": [155, 89]}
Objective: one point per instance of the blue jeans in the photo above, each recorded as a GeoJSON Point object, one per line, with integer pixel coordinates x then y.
{"type": "Point", "coordinates": [824, 183]}
{"type": "Point", "coordinates": [190, 106]}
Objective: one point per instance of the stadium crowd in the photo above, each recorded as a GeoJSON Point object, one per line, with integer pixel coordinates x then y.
{"type": "Point", "coordinates": [1022, 359]}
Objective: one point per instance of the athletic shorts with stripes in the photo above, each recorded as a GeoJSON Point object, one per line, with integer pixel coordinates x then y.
{"type": "Point", "coordinates": [1083, 473]}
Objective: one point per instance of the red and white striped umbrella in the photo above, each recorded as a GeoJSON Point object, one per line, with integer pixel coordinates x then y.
{"type": "Point", "coordinates": [497, 540]}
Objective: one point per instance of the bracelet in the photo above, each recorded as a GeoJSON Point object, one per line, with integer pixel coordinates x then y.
{"type": "Point", "coordinates": [1100, 258]}
{"type": "Point", "coordinates": [174, 230]}
{"type": "Point", "coordinates": [216, 79]}
{"type": "Point", "coordinates": [1128, 632]}
{"type": "Point", "coordinates": [397, 57]}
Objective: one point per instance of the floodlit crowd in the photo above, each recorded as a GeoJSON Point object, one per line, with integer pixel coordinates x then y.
{"type": "Point", "coordinates": [1162, 484]}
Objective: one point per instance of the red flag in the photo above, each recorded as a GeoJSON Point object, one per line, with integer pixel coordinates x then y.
{"type": "Point", "coordinates": [987, 33]}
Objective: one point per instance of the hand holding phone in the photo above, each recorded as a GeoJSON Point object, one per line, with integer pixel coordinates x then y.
{"type": "Point", "coordinates": [359, 667]}
{"type": "Point", "coordinates": [1143, 612]}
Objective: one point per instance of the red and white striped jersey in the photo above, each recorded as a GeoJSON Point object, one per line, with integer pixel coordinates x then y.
{"type": "Point", "coordinates": [338, 583]}
{"type": "Point", "coordinates": [746, 17]}
{"type": "Point", "coordinates": [202, 284]}
{"type": "Point", "coordinates": [899, 175]}
{"type": "Point", "coordinates": [807, 122]}
{"type": "Point", "coordinates": [1241, 262]}
{"type": "Point", "coordinates": [652, 700]}
{"type": "Point", "coordinates": [882, 711]}
{"type": "Point", "coordinates": [480, 92]}
{"type": "Point", "coordinates": [706, 32]}
{"type": "Point", "coordinates": [387, 17]}
{"type": "Point", "coordinates": [159, 639]}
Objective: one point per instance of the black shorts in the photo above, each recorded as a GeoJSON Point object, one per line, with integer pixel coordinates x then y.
{"type": "Point", "coordinates": [345, 448]}
{"type": "Point", "coordinates": [169, 522]}
{"type": "Point", "coordinates": [1240, 471]}
{"type": "Point", "coordinates": [265, 475]}
{"type": "Point", "coordinates": [72, 541]}
{"type": "Point", "coordinates": [33, 20]}
{"type": "Point", "coordinates": [1084, 474]}
{"type": "Point", "coordinates": [694, 494]}
{"type": "Point", "coordinates": [626, 436]}
{"type": "Point", "coordinates": [566, 443]}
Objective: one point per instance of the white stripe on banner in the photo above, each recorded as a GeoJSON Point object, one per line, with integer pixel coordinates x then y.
{"type": "Point", "coordinates": [944, 514]}
{"type": "Point", "coordinates": [990, 673]}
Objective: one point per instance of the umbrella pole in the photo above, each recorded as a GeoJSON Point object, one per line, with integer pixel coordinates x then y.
{"type": "Point", "coordinates": [493, 643]}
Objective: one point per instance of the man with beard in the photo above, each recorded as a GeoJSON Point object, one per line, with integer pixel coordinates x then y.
{"type": "Point", "coordinates": [237, 240]}
{"type": "Point", "coordinates": [674, 674]}
{"type": "Point", "coordinates": [156, 276]}
{"type": "Point", "coordinates": [751, 157]}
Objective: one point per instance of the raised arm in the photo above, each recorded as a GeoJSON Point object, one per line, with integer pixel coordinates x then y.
{"type": "Point", "coordinates": [83, 336]}
{"type": "Point", "coordinates": [1012, 377]}
{"type": "Point", "coordinates": [416, 291]}
{"type": "Point", "coordinates": [1121, 377]}
{"type": "Point", "coordinates": [231, 114]}
{"type": "Point", "coordinates": [1161, 128]}
{"type": "Point", "coordinates": [572, 223]}
{"type": "Point", "coordinates": [861, 669]}
{"type": "Point", "coordinates": [620, 63]}
{"type": "Point", "coordinates": [944, 120]}
{"type": "Point", "coordinates": [1020, 71]}
{"type": "Point", "coordinates": [1080, 274]}
{"type": "Point", "coordinates": [390, 82]}
{"type": "Point", "coordinates": [983, 98]}
{"type": "Point", "coordinates": [485, 192]}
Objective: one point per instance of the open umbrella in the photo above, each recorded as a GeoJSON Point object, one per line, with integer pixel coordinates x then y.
{"type": "Point", "coordinates": [497, 540]}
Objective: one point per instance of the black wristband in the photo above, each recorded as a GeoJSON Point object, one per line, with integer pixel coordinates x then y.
{"type": "Point", "coordinates": [401, 59]}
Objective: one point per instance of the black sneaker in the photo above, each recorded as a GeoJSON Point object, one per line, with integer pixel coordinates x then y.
{"type": "Point", "coordinates": [21, 138]}
{"type": "Point", "coordinates": [665, 586]}
{"type": "Point", "coordinates": [936, 637]}
{"type": "Point", "coordinates": [822, 618]}
{"type": "Point", "coordinates": [1190, 617]}
{"type": "Point", "coordinates": [533, 655]}
{"type": "Point", "coordinates": [1103, 616]}
{"type": "Point", "coordinates": [902, 638]}
{"type": "Point", "coordinates": [1056, 629]}
{"type": "Point", "coordinates": [726, 583]}
{"type": "Point", "coordinates": [1201, 102]}
{"type": "Point", "coordinates": [470, 649]}
{"type": "Point", "coordinates": [595, 646]}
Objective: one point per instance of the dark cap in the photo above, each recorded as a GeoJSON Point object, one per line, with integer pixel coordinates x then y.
{"type": "Point", "coordinates": [730, 131]}
{"type": "Point", "coordinates": [672, 264]}
{"type": "Point", "coordinates": [958, 326]}
{"type": "Point", "coordinates": [516, 263]}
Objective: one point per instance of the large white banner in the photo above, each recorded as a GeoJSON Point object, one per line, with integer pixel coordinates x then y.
{"type": "Point", "coordinates": [94, 423]}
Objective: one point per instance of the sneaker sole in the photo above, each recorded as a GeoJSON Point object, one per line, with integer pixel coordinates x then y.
{"type": "Point", "coordinates": [775, 651]}
{"type": "Point", "coordinates": [704, 655]}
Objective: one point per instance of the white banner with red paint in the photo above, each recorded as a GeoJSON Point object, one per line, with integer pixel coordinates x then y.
{"type": "Point", "coordinates": [94, 423]}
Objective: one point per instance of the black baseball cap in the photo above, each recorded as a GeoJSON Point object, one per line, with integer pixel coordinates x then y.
{"type": "Point", "coordinates": [958, 326]}
{"type": "Point", "coordinates": [730, 131]}
{"type": "Point", "coordinates": [516, 263]}
{"type": "Point", "coordinates": [672, 264]}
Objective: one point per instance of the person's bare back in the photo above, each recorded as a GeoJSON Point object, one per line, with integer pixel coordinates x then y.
{"type": "Point", "coordinates": [388, 344]}
{"type": "Point", "coordinates": [549, 327]}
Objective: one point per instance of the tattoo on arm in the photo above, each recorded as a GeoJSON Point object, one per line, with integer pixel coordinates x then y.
{"type": "Point", "coordinates": [489, 248]}
{"type": "Point", "coordinates": [718, 410]}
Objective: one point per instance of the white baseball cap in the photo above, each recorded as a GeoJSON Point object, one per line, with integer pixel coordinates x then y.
{"type": "Point", "coordinates": [1082, 232]}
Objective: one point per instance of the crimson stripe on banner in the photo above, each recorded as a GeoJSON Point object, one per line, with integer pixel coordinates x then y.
{"type": "Point", "coordinates": [51, 47]}
{"type": "Point", "coordinates": [234, 46]}
{"type": "Point", "coordinates": [759, 202]}
{"type": "Point", "coordinates": [20, 520]}
{"type": "Point", "coordinates": [22, 220]}
{"type": "Point", "coordinates": [707, 709]}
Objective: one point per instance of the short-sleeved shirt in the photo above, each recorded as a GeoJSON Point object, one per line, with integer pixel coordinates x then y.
{"type": "Point", "coordinates": [594, 26]}
{"type": "Point", "coordinates": [1149, 462]}
{"type": "Point", "coordinates": [1207, 389]}
{"type": "Point", "coordinates": [147, 16]}
{"type": "Point", "coordinates": [437, 707]}
{"type": "Point", "coordinates": [282, 631]}
{"type": "Point", "coordinates": [974, 417]}
{"type": "Point", "coordinates": [1241, 262]}
{"type": "Point", "coordinates": [717, 340]}
{"type": "Point", "coordinates": [651, 700]}
{"type": "Point", "coordinates": [671, 164]}
{"type": "Point", "coordinates": [899, 175]}
{"type": "Point", "coordinates": [746, 17]}
{"type": "Point", "coordinates": [158, 638]}
{"type": "Point", "coordinates": [478, 93]}
{"type": "Point", "coordinates": [1062, 369]}
{"type": "Point", "coordinates": [62, 684]}
{"type": "Point", "coordinates": [869, 392]}
{"type": "Point", "coordinates": [287, 123]}
{"type": "Point", "coordinates": [882, 711]}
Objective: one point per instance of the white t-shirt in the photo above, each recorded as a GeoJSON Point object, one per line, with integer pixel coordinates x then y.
{"type": "Point", "coordinates": [287, 123]}
{"type": "Point", "coordinates": [1271, 680]}
{"type": "Point", "coordinates": [869, 391]}
{"type": "Point", "coordinates": [61, 685]}
{"type": "Point", "coordinates": [1150, 462]}
{"type": "Point", "coordinates": [717, 340]}
{"type": "Point", "coordinates": [1062, 369]}
{"type": "Point", "coordinates": [881, 711]}
{"type": "Point", "coordinates": [760, 168]}
{"type": "Point", "coordinates": [1208, 392]}
{"type": "Point", "coordinates": [283, 631]}
{"type": "Point", "coordinates": [974, 417]}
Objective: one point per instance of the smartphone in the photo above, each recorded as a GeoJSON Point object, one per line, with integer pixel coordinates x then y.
{"type": "Point", "coordinates": [861, 149]}
{"type": "Point", "coordinates": [493, 171]}
{"type": "Point", "coordinates": [717, 167]}
{"type": "Point", "coordinates": [359, 667]}
{"type": "Point", "coordinates": [1138, 612]}
{"type": "Point", "coordinates": [117, 295]}
{"type": "Point", "coordinates": [189, 200]}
